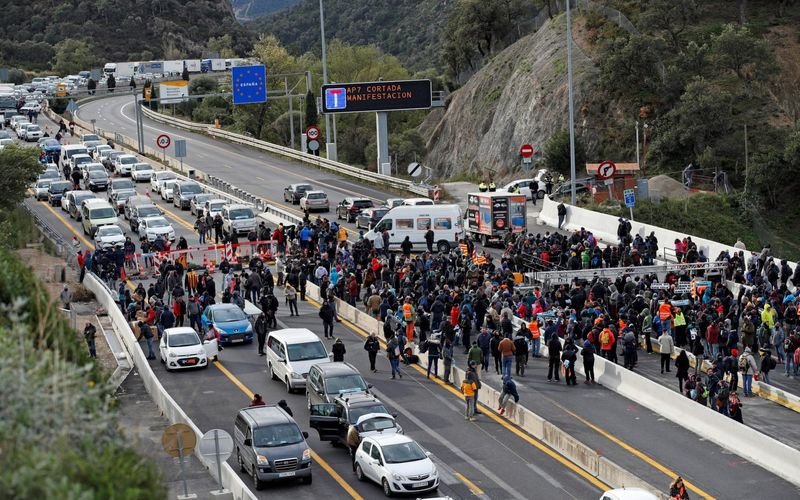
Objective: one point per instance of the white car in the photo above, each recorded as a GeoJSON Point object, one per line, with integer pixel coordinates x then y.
{"type": "Point", "coordinates": [21, 128]}
{"type": "Point", "coordinates": [6, 142]}
{"type": "Point", "coordinates": [181, 348]}
{"type": "Point", "coordinates": [91, 140]}
{"type": "Point", "coordinates": [124, 163]}
{"type": "Point", "coordinates": [31, 106]}
{"type": "Point", "coordinates": [33, 133]}
{"type": "Point", "coordinates": [524, 185]}
{"type": "Point", "coordinates": [315, 200]}
{"type": "Point", "coordinates": [97, 151]}
{"type": "Point", "coordinates": [628, 494]}
{"type": "Point", "coordinates": [109, 236]}
{"type": "Point", "coordinates": [152, 227]}
{"type": "Point", "coordinates": [167, 188]}
{"type": "Point", "coordinates": [397, 463]}
{"type": "Point", "coordinates": [80, 159]}
{"type": "Point", "coordinates": [141, 172]}
{"type": "Point", "coordinates": [158, 178]}
{"type": "Point", "coordinates": [214, 207]}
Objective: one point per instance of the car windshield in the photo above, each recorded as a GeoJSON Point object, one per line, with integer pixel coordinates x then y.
{"type": "Point", "coordinates": [403, 452]}
{"type": "Point", "coordinates": [362, 204]}
{"type": "Point", "coordinates": [377, 424]}
{"type": "Point", "coordinates": [157, 223]}
{"type": "Point", "coordinates": [241, 213]}
{"type": "Point", "coordinates": [60, 186]}
{"type": "Point", "coordinates": [109, 231]}
{"type": "Point", "coordinates": [34, 128]}
{"type": "Point", "coordinates": [103, 213]}
{"type": "Point", "coordinates": [170, 184]}
{"type": "Point", "coordinates": [216, 207]}
{"type": "Point", "coordinates": [316, 196]}
{"type": "Point", "coordinates": [302, 188]}
{"type": "Point", "coordinates": [191, 189]}
{"type": "Point", "coordinates": [142, 166]}
{"type": "Point", "coordinates": [148, 211]}
{"type": "Point", "coordinates": [306, 351]}
{"type": "Point", "coordinates": [79, 199]}
{"type": "Point", "coordinates": [379, 213]}
{"type": "Point", "coordinates": [163, 176]}
{"type": "Point", "coordinates": [122, 184]}
{"type": "Point", "coordinates": [80, 160]}
{"type": "Point", "coordinates": [229, 314]}
{"type": "Point", "coordinates": [90, 137]}
{"type": "Point", "coordinates": [43, 184]}
{"type": "Point", "coordinates": [276, 435]}
{"type": "Point", "coordinates": [183, 339]}
{"type": "Point", "coordinates": [49, 174]}
{"type": "Point", "coordinates": [96, 174]}
{"type": "Point", "coordinates": [201, 198]}
{"type": "Point", "coordinates": [121, 196]}
{"type": "Point", "coordinates": [356, 413]}
{"type": "Point", "coordinates": [127, 160]}
{"type": "Point", "coordinates": [346, 383]}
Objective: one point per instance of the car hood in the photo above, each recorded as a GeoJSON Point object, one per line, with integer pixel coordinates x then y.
{"type": "Point", "coordinates": [419, 467]}
{"type": "Point", "coordinates": [189, 350]}
{"type": "Point", "coordinates": [160, 230]}
{"type": "Point", "coordinates": [119, 238]}
{"type": "Point", "coordinates": [239, 326]}
{"type": "Point", "coordinates": [283, 452]}
{"type": "Point", "coordinates": [304, 366]}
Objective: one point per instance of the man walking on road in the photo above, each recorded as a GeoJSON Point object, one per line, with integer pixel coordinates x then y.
{"type": "Point", "coordinates": [665, 345]}
{"type": "Point", "coordinates": [447, 356]}
{"type": "Point", "coordinates": [66, 297]}
{"type": "Point", "coordinates": [326, 313]}
{"type": "Point", "coordinates": [291, 298]}
{"type": "Point", "coordinates": [554, 358]}
{"type": "Point", "coordinates": [261, 332]}
{"type": "Point", "coordinates": [393, 353]}
{"type": "Point", "coordinates": [747, 367]}
{"type": "Point", "coordinates": [89, 333]}
{"type": "Point", "coordinates": [147, 333]}
{"type": "Point", "coordinates": [372, 346]}
{"type": "Point", "coordinates": [507, 350]}
{"type": "Point", "coordinates": [433, 359]}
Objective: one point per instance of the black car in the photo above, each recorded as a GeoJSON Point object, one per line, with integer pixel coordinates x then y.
{"type": "Point", "coordinates": [350, 208]}
{"type": "Point", "coordinates": [294, 192]}
{"type": "Point", "coordinates": [183, 193]}
{"type": "Point", "coordinates": [56, 191]}
{"type": "Point", "coordinates": [370, 216]}
{"type": "Point", "coordinates": [96, 180]}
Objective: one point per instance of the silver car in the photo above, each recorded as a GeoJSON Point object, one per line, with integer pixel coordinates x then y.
{"type": "Point", "coordinates": [41, 187]}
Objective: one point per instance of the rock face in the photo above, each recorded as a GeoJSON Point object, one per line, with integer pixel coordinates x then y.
{"type": "Point", "coordinates": [519, 97]}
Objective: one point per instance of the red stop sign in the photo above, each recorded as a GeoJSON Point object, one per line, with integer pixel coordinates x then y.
{"type": "Point", "coordinates": [526, 150]}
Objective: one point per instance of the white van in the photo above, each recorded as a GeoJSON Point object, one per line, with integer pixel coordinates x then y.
{"type": "Point", "coordinates": [70, 150]}
{"type": "Point", "coordinates": [414, 221]}
{"type": "Point", "coordinates": [239, 219]}
{"type": "Point", "coordinates": [96, 213]}
{"type": "Point", "coordinates": [291, 353]}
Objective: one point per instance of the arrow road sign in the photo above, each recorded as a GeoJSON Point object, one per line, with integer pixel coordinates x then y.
{"type": "Point", "coordinates": [606, 170]}
{"type": "Point", "coordinates": [163, 141]}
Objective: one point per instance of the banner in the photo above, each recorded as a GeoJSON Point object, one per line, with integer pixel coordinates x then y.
{"type": "Point", "coordinates": [174, 92]}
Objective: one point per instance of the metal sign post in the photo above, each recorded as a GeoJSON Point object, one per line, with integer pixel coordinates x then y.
{"type": "Point", "coordinates": [630, 200]}
{"type": "Point", "coordinates": [180, 150]}
{"type": "Point", "coordinates": [178, 441]}
{"type": "Point", "coordinates": [217, 446]}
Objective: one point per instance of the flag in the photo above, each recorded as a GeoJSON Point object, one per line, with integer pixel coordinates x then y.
{"type": "Point", "coordinates": [478, 259]}
{"type": "Point", "coordinates": [464, 249]}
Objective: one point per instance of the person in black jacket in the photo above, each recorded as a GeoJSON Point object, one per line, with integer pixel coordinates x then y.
{"type": "Point", "coordinates": [569, 358]}
{"type": "Point", "coordinates": [326, 313]}
{"type": "Point", "coordinates": [261, 332]}
{"type": "Point", "coordinates": [588, 361]}
{"type": "Point", "coordinates": [338, 350]}
{"type": "Point", "coordinates": [554, 348]}
{"type": "Point", "coordinates": [521, 352]}
{"type": "Point", "coordinates": [372, 346]}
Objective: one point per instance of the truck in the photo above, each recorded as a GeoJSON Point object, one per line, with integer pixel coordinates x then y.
{"type": "Point", "coordinates": [493, 215]}
{"type": "Point", "coordinates": [173, 67]}
{"type": "Point", "coordinates": [151, 67]}
{"type": "Point", "coordinates": [212, 65]}
{"type": "Point", "coordinates": [119, 70]}
{"type": "Point", "coordinates": [8, 103]}
{"type": "Point", "coordinates": [193, 65]}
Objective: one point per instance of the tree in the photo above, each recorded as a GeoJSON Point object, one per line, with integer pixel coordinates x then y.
{"type": "Point", "coordinates": [557, 154]}
{"type": "Point", "coordinates": [631, 67]}
{"type": "Point", "coordinates": [20, 167]}
{"type": "Point", "coordinates": [736, 50]}
{"type": "Point", "coordinates": [17, 76]}
{"type": "Point", "coordinates": [672, 17]}
{"type": "Point", "coordinates": [221, 45]}
{"type": "Point", "coordinates": [73, 56]}
{"type": "Point", "coordinates": [311, 109]}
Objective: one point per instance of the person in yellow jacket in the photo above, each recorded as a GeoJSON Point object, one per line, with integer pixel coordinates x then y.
{"type": "Point", "coordinates": [408, 316]}
{"type": "Point", "coordinates": [468, 389]}
{"type": "Point", "coordinates": [482, 187]}
{"type": "Point", "coordinates": [680, 328]}
{"type": "Point", "coordinates": [341, 235]}
{"type": "Point", "coordinates": [768, 316]}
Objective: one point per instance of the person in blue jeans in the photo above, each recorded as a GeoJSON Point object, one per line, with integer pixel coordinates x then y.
{"type": "Point", "coordinates": [507, 350]}
{"type": "Point", "coordinates": [393, 353]}
{"type": "Point", "coordinates": [434, 349]}
{"type": "Point", "coordinates": [747, 367]}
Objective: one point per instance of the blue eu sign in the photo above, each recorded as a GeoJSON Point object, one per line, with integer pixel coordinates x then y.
{"type": "Point", "coordinates": [335, 98]}
{"type": "Point", "coordinates": [249, 84]}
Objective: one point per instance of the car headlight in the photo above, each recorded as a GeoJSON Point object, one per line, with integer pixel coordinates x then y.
{"type": "Point", "coordinates": [307, 454]}
{"type": "Point", "coordinates": [262, 460]}
{"type": "Point", "coordinates": [398, 477]}
{"type": "Point", "coordinates": [297, 375]}
{"type": "Point", "coordinates": [249, 329]}
{"type": "Point", "coordinates": [173, 355]}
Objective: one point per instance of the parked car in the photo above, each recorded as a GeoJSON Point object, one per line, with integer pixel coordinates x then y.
{"type": "Point", "coordinates": [397, 463]}
{"type": "Point", "coordinates": [230, 321]}
{"type": "Point", "coordinates": [350, 207]}
{"type": "Point", "coordinates": [97, 151]}
{"type": "Point", "coordinates": [124, 163]}
{"type": "Point", "coordinates": [214, 206]}
{"type": "Point", "coordinates": [393, 202]}
{"type": "Point", "coordinates": [158, 179]}
{"type": "Point", "coordinates": [33, 133]}
{"type": "Point", "coordinates": [76, 200]}
{"type": "Point", "coordinates": [315, 200]}
{"type": "Point", "coordinates": [183, 193]}
{"type": "Point", "coordinates": [181, 348]}
{"type": "Point", "coordinates": [417, 202]}
{"type": "Point", "coordinates": [199, 200]}
{"type": "Point", "coordinates": [110, 236]}
{"type": "Point", "coordinates": [291, 353]}
{"type": "Point", "coordinates": [153, 227]}
{"type": "Point", "coordinates": [167, 189]}
{"type": "Point", "coordinates": [332, 420]}
{"type": "Point", "coordinates": [326, 381]}
{"type": "Point", "coordinates": [120, 185]}
{"type": "Point", "coordinates": [141, 172]}
{"type": "Point", "coordinates": [91, 141]}
{"type": "Point", "coordinates": [56, 191]}
{"type": "Point", "coordinates": [140, 212]}
{"type": "Point", "coordinates": [96, 180]}
{"type": "Point", "coordinates": [119, 198]}
{"type": "Point", "coordinates": [369, 217]}
{"type": "Point", "coordinates": [41, 188]}
{"type": "Point", "coordinates": [107, 157]}
{"type": "Point", "coordinates": [294, 192]}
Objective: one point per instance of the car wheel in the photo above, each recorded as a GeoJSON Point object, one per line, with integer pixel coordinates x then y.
{"type": "Point", "coordinates": [386, 489]}
{"type": "Point", "coordinates": [161, 358]}
{"type": "Point", "coordinates": [256, 481]}
{"type": "Point", "coordinates": [272, 373]}
{"type": "Point", "coordinates": [443, 247]}
{"type": "Point", "coordinates": [360, 472]}
{"type": "Point", "coordinates": [240, 461]}
{"type": "Point", "coordinates": [540, 194]}
{"type": "Point", "coordinates": [289, 389]}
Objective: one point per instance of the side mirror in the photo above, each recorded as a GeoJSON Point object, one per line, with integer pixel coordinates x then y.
{"type": "Point", "coordinates": [330, 355]}
{"type": "Point", "coordinates": [248, 442]}
{"type": "Point", "coordinates": [305, 434]}
{"type": "Point", "coordinates": [394, 415]}
{"type": "Point", "coordinates": [369, 386]}
{"type": "Point", "coordinates": [428, 454]}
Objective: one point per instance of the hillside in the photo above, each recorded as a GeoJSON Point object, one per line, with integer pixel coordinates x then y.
{"type": "Point", "coordinates": [519, 97]}
{"type": "Point", "coordinates": [114, 30]}
{"type": "Point", "coordinates": [249, 9]}
{"type": "Point", "coordinates": [408, 29]}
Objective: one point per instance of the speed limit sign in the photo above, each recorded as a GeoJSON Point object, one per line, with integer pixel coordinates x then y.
{"type": "Point", "coordinates": [163, 141]}
{"type": "Point", "coordinates": [313, 133]}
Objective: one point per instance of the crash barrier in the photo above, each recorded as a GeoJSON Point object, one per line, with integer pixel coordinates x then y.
{"type": "Point", "coordinates": [316, 161]}
{"type": "Point", "coordinates": [174, 413]}
{"type": "Point", "coordinates": [573, 450]}
{"type": "Point", "coordinates": [277, 215]}
{"type": "Point", "coordinates": [566, 276]}
{"type": "Point", "coordinates": [604, 227]}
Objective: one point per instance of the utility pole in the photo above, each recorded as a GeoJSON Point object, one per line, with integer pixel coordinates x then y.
{"type": "Point", "coordinates": [329, 146]}
{"type": "Point", "coordinates": [571, 107]}
{"type": "Point", "coordinates": [746, 159]}
{"type": "Point", "coordinates": [638, 165]}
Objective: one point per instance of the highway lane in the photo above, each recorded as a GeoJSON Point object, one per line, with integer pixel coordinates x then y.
{"type": "Point", "coordinates": [632, 426]}
{"type": "Point", "coordinates": [497, 463]}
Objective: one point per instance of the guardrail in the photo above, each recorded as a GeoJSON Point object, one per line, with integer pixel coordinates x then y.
{"type": "Point", "coordinates": [174, 413]}
{"type": "Point", "coordinates": [316, 161]}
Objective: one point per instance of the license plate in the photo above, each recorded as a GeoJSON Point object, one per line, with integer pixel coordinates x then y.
{"type": "Point", "coordinates": [237, 340]}
{"type": "Point", "coordinates": [191, 361]}
{"type": "Point", "coordinates": [287, 474]}
{"type": "Point", "coordinates": [419, 485]}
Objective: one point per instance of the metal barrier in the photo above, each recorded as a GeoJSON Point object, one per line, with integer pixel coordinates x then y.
{"type": "Point", "coordinates": [567, 276]}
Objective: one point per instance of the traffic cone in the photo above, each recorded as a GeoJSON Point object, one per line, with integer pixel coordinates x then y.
{"type": "Point", "coordinates": [211, 267]}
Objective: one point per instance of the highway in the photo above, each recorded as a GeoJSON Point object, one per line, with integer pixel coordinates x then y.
{"type": "Point", "coordinates": [485, 457]}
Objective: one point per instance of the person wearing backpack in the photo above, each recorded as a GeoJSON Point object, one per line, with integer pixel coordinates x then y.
{"type": "Point", "coordinates": [767, 364]}
{"type": "Point", "coordinates": [607, 342]}
{"type": "Point", "coordinates": [629, 348]}
{"type": "Point", "coordinates": [747, 368]}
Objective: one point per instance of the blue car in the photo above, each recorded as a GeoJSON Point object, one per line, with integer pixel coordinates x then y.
{"type": "Point", "coordinates": [52, 149]}
{"type": "Point", "coordinates": [232, 324]}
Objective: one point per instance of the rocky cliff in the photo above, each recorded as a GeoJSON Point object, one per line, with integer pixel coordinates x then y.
{"type": "Point", "coordinates": [519, 97]}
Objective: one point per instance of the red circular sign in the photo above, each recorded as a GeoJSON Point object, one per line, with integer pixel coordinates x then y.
{"type": "Point", "coordinates": [526, 151]}
{"type": "Point", "coordinates": [163, 141]}
{"type": "Point", "coordinates": [606, 170]}
{"type": "Point", "coordinates": [312, 133]}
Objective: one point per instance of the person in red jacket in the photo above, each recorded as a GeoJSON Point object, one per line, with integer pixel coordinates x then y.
{"type": "Point", "coordinates": [607, 342]}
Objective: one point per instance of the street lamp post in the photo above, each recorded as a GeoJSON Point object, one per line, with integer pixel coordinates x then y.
{"type": "Point", "coordinates": [330, 148]}
{"type": "Point", "coordinates": [571, 107]}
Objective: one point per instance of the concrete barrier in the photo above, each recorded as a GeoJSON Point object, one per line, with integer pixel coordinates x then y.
{"type": "Point", "coordinates": [174, 413]}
